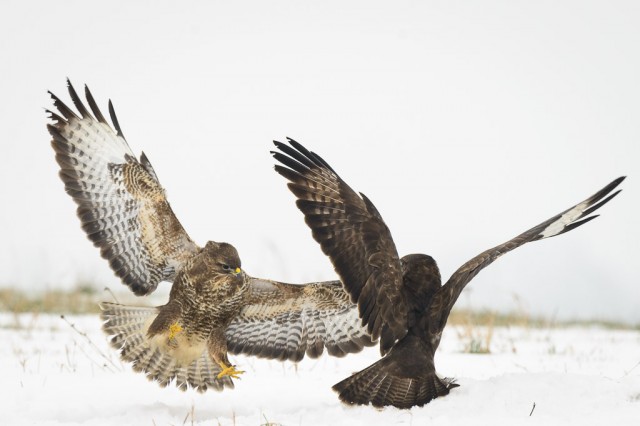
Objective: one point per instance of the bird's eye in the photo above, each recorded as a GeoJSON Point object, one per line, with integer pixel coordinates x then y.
{"type": "Point", "coordinates": [226, 267]}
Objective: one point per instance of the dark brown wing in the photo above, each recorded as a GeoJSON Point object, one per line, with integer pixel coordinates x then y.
{"type": "Point", "coordinates": [285, 321]}
{"type": "Point", "coordinates": [353, 235]}
{"type": "Point", "coordinates": [570, 219]}
{"type": "Point", "coordinates": [121, 204]}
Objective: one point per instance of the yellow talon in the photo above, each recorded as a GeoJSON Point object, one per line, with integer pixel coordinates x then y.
{"type": "Point", "coordinates": [229, 371]}
{"type": "Point", "coordinates": [174, 329]}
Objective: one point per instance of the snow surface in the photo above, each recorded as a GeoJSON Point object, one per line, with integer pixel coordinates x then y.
{"type": "Point", "coordinates": [53, 375]}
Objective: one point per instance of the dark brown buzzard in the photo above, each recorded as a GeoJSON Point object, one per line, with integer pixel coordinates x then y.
{"type": "Point", "coordinates": [214, 306]}
{"type": "Point", "coordinates": [400, 300]}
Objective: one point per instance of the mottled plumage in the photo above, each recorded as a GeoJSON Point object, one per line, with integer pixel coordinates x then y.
{"type": "Point", "coordinates": [214, 307]}
{"type": "Point", "coordinates": [400, 300]}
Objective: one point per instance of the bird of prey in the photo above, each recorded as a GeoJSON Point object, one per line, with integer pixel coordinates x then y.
{"type": "Point", "coordinates": [214, 307]}
{"type": "Point", "coordinates": [400, 300]}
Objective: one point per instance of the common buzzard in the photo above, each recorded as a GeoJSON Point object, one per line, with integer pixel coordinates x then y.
{"type": "Point", "coordinates": [400, 300]}
{"type": "Point", "coordinates": [214, 306]}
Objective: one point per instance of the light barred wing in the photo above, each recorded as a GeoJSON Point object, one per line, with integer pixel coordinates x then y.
{"type": "Point", "coordinates": [570, 219]}
{"type": "Point", "coordinates": [285, 321]}
{"type": "Point", "coordinates": [352, 233]}
{"type": "Point", "coordinates": [121, 204]}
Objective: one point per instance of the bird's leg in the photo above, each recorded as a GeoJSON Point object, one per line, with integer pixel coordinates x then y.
{"type": "Point", "coordinates": [167, 325]}
{"type": "Point", "coordinates": [217, 346]}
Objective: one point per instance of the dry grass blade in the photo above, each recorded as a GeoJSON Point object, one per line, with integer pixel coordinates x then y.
{"type": "Point", "coordinates": [93, 345]}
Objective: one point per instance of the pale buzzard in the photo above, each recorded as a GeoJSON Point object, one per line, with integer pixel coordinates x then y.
{"type": "Point", "coordinates": [214, 306]}
{"type": "Point", "coordinates": [400, 300]}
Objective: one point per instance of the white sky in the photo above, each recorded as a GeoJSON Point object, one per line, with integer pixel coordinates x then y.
{"type": "Point", "coordinates": [465, 123]}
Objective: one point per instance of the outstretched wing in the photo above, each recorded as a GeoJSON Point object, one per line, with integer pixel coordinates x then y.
{"type": "Point", "coordinates": [121, 204]}
{"type": "Point", "coordinates": [285, 321]}
{"type": "Point", "coordinates": [570, 219]}
{"type": "Point", "coordinates": [352, 233]}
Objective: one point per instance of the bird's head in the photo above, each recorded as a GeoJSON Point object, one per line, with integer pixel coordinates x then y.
{"type": "Point", "coordinates": [223, 259]}
{"type": "Point", "coordinates": [421, 273]}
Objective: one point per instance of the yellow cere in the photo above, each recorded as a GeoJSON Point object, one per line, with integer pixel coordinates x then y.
{"type": "Point", "coordinates": [237, 270]}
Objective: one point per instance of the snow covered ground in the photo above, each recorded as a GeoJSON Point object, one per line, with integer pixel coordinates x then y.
{"type": "Point", "coordinates": [53, 375]}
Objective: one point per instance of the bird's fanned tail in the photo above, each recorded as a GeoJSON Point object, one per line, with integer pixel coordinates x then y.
{"type": "Point", "coordinates": [381, 385]}
{"type": "Point", "coordinates": [403, 378]}
{"type": "Point", "coordinates": [127, 327]}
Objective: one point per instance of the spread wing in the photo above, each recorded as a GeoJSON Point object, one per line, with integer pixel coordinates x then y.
{"type": "Point", "coordinates": [285, 321]}
{"type": "Point", "coordinates": [352, 233]}
{"type": "Point", "coordinates": [121, 205]}
{"type": "Point", "coordinates": [569, 219]}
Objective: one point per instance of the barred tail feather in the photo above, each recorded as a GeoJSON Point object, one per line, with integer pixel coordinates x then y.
{"type": "Point", "coordinates": [381, 384]}
{"type": "Point", "coordinates": [127, 327]}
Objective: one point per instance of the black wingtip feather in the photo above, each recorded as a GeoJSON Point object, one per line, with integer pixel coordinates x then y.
{"type": "Point", "coordinates": [77, 101]}
{"type": "Point", "coordinates": [304, 151]}
{"type": "Point", "coordinates": [299, 153]}
{"type": "Point", "coordinates": [56, 118]}
{"type": "Point", "coordinates": [93, 105]}
{"type": "Point", "coordinates": [601, 203]}
{"type": "Point", "coordinates": [308, 155]}
{"type": "Point", "coordinates": [300, 157]}
{"type": "Point", "coordinates": [607, 189]}
{"type": "Point", "coordinates": [114, 120]}
{"type": "Point", "coordinates": [62, 107]}
{"type": "Point", "coordinates": [574, 225]}
{"type": "Point", "coordinates": [290, 162]}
